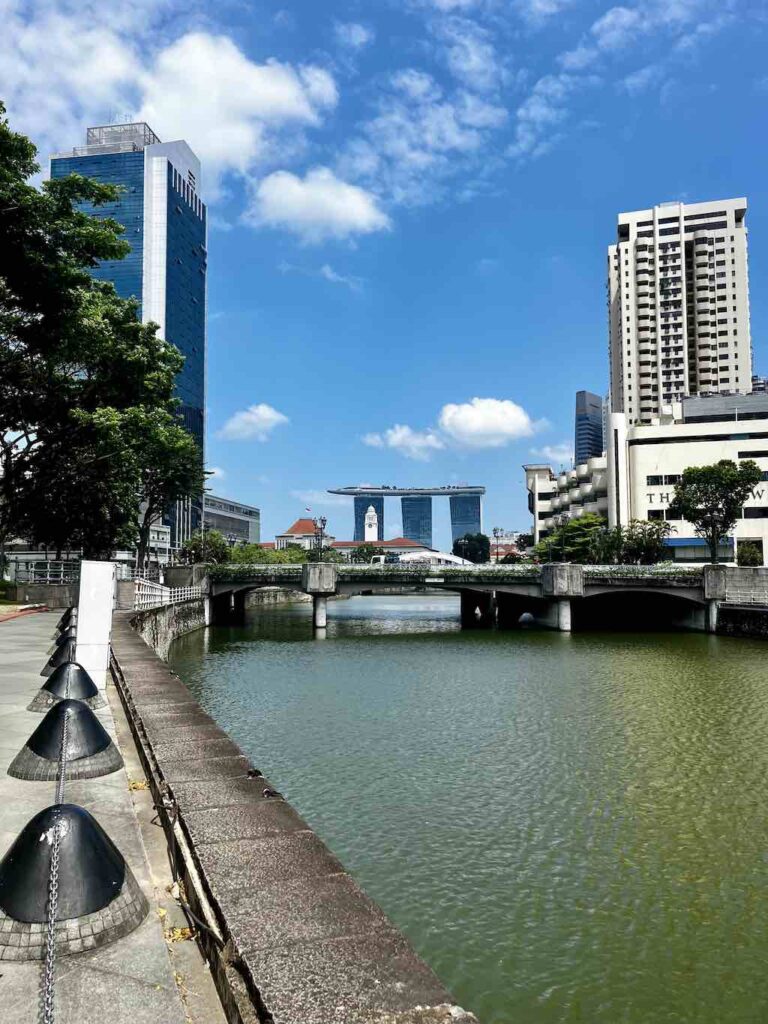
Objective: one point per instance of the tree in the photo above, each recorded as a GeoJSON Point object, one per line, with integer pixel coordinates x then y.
{"type": "Point", "coordinates": [206, 547]}
{"type": "Point", "coordinates": [643, 542]}
{"type": "Point", "coordinates": [475, 547]}
{"type": "Point", "coordinates": [365, 552]}
{"type": "Point", "coordinates": [325, 554]}
{"type": "Point", "coordinates": [577, 540]}
{"type": "Point", "coordinates": [170, 468]}
{"type": "Point", "coordinates": [749, 554]}
{"type": "Point", "coordinates": [255, 554]}
{"type": "Point", "coordinates": [711, 498]}
{"type": "Point", "coordinates": [78, 369]}
{"type": "Point", "coordinates": [524, 541]}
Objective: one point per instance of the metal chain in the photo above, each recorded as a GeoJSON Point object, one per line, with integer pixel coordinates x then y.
{"type": "Point", "coordinates": [50, 937]}
{"type": "Point", "coordinates": [54, 837]}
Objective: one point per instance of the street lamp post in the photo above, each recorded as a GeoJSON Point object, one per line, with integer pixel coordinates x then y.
{"type": "Point", "coordinates": [497, 532]}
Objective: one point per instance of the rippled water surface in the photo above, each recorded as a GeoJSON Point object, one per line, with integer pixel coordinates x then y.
{"type": "Point", "coordinates": [568, 828]}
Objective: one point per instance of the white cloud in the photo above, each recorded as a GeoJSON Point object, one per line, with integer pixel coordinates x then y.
{"type": "Point", "coordinates": [355, 284]}
{"type": "Point", "coordinates": [485, 422]}
{"type": "Point", "coordinates": [645, 78]}
{"type": "Point", "coordinates": [419, 138]}
{"type": "Point", "coordinates": [316, 207]}
{"type": "Point", "coordinates": [255, 423]}
{"type": "Point", "coordinates": [469, 53]}
{"type": "Point", "coordinates": [216, 473]}
{"type": "Point", "coordinates": [558, 454]}
{"type": "Point", "coordinates": [231, 110]}
{"type": "Point", "coordinates": [313, 497]}
{"type": "Point", "coordinates": [353, 35]}
{"type": "Point", "coordinates": [544, 109]}
{"type": "Point", "coordinates": [413, 444]}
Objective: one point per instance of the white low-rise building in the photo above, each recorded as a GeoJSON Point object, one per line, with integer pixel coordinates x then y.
{"type": "Point", "coordinates": [637, 476]}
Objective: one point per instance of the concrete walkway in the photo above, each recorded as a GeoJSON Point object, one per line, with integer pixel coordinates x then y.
{"type": "Point", "coordinates": [131, 981]}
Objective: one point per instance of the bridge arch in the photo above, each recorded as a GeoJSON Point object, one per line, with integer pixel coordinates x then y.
{"type": "Point", "coordinates": [639, 609]}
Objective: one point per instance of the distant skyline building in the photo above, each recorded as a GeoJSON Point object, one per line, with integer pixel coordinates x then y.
{"type": "Point", "coordinates": [466, 505]}
{"type": "Point", "coordinates": [678, 306]}
{"type": "Point", "coordinates": [239, 523]}
{"type": "Point", "coordinates": [165, 225]}
{"type": "Point", "coordinates": [588, 433]}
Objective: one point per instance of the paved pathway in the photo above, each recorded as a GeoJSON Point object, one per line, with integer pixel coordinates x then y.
{"type": "Point", "coordinates": [131, 981]}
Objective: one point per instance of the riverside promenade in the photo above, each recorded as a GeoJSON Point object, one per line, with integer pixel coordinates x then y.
{"type": "Point", "coordinates": [142, 978]}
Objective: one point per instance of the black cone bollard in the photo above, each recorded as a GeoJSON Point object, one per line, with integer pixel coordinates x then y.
{"type": "Point", "coordinates": [96, 888]}
{"type": "Point", "coordinates": [60, 656]}
{"type": "Point", "coordinates": [68, 680]}
{"type": "Point", "coordinates": [70, 615]}
{"type": "Point", "coordinates": [89, 751]}
{"type": "Point", "coordinates": [70, 633]}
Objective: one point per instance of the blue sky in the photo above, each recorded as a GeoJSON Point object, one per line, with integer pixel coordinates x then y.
{"type": "Point", "coordinates": [410, 203]}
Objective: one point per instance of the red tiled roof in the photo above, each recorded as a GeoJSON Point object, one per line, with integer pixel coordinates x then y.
{"type": "Point", "coordinates": [266, 543]}
{"type": "Point", "coordinates": [301, 526]}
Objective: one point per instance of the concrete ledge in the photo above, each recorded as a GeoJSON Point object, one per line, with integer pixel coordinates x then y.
{"type": "Point", "coordinates": [300, 942]}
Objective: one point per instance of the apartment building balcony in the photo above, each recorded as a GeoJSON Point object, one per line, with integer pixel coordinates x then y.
{"type": "Point", "coordinates": [582, 471]}
{"type": "Point", "coordinates": [574, 495]}
{"type": "Point", "coordinates": [586, 489]}
{"type": "Point", "coordinates": [562, 482]}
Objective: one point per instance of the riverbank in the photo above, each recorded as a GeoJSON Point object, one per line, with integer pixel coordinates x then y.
{"type": "Point", "coordinates": [141, 978]}
{"type": "Point", "coordinates": [289, 931]}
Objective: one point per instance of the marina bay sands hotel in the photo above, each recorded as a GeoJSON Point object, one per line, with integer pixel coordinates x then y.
{"type": "Point", "coordinates": [466, 509]}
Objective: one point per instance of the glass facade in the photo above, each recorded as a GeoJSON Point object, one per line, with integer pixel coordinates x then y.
{"type": "Point", "coordinates": [126, 170]}
{"type": "Point", "coordinates": [185, 271]}
{"type": "Point", "coordinates": [588, 441]}
{"type": "Point", "coordinates": [466, 514]}
{"type": "Point", "coordinates": [362, 504]}
{"type": "Point", "coordinates": [176, 237]}
{"type": "Point", "coordinates": [417, 518]}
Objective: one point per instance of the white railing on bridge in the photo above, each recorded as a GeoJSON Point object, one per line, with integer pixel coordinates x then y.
{"type": "Point", "coordinates": [45, 571]}
{"type": "Point", "coordinates": [153, 595]}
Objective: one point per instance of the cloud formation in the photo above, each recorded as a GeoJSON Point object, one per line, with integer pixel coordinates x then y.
{"type": "Point", "coordinates": [558, 454]}
{"type": "Point", "coordinates": [413, 444]}
{"type": "Point", "coordinates": [485, 422]}
{"type": "Point", "coordinates": [479, 423]}
{"type": "Point", "coordinates": [256, 423]}
{"type": "Point", "coordinates": [317, 207]}
{"type": "Point", "coordinates": [353, 35]}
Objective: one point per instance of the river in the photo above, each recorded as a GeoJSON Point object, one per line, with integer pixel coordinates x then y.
{"type": "Point", "coordinates": [569, 828]}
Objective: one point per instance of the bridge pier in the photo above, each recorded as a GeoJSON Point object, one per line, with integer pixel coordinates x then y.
{"type": "Point", "coordinates": [478, 609]}
{"type": "Point", "coordinates": [556, 615]}
{"type": "Point", "coordinates": [319, 611]}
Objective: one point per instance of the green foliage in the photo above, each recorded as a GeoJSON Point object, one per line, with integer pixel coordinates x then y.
{"type": "Point", "coordinates": [255, 554]}
{"type": "Point", "coordinates": [589, 541]}
{"type": "Point", "coordinates": [325, 554]}
{"type": "Point", "coordinates": [365, 553]}
{"type": "Point", "coordinates": [524, 541]}
{"type": "Point", "coordinates": [86, 389]}
{"type": "Point", "coordinates": [749, 554]}
{"type": "Point", "coordinates": [578, 540]}
{"type": "Point", "coordinates": [208, 546]}
{"type": "Point", "coordinates": [475, 547]}
{"type": "Point", "coordinates": [712, 497]}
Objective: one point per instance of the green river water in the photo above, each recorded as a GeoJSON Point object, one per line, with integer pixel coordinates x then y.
{"type": "Point", "coordinates": [569, 828]}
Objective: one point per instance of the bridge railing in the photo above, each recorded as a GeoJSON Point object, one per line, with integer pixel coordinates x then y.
{"type": "Point", "coordinates": [149, 594]}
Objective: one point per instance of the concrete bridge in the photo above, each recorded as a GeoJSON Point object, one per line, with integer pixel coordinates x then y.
{"type": "Point", "coordinates": [559, 596]}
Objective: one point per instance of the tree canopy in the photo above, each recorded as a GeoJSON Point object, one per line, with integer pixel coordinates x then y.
{"type": "Point", "coordinates": [589, 541]}
{"type": "Point", "coordinates": [711, 498]}
{"type": "Point", "coordinates": [475, 547]}
{"type": "Point", "coordinates": [88, 426]}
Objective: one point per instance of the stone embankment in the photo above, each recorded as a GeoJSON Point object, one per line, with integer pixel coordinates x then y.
{"type": "Point", "coordinates": [291, 938]}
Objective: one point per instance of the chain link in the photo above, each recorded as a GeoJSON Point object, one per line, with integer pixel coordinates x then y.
{"type": "Point", "coordinates": [54, 837]}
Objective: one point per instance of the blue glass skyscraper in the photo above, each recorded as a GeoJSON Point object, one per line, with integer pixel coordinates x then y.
{"type": "Point", "coordinates": [165, 270]}
{"type": "Point", "coordinates": [362, 504]}
{"type": "Point", "coordinates": [417, 518]}
{"type": "Point", "coordinates": [466, 514]}
{"type": "Point", "coordinates": [588, 426]}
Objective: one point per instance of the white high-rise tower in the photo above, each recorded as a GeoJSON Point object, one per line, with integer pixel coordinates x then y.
{"type": "Point", "coordinates": [678, 305]}
{"type": "Point", "coordinates": [371, 525]}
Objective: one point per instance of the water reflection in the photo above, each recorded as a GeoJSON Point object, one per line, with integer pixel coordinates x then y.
{"type": "Point", "coordinates": [569, 828]}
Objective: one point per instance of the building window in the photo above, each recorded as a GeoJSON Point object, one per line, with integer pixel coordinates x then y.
{"type": "Point", "coordinates": [654, 481]}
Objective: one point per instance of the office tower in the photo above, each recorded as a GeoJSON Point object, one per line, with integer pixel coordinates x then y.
{"type": "Point", "coordinates": [678, 305]}
{"type": "Point", "coordinates": [417, 518]}
{"type": "Point", "coordinates": [466, 514]}
{"type": "Point", "coordinates": [165, 270]}
{"type": "Point", "coordinates": [588, 426]}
